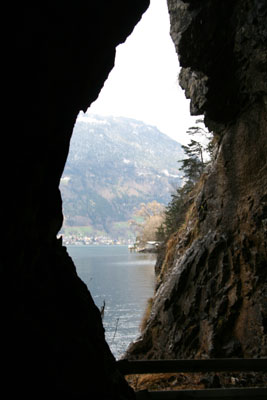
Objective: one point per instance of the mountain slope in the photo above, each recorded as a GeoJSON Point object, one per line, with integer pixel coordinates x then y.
{"type": "Point", "coordinates": [115, 164]}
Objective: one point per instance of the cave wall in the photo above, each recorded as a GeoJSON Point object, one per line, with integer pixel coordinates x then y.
{"type": "Point", "coordinates": [211, 297]}
{"type": "Point", "coordinates": [58, 55]}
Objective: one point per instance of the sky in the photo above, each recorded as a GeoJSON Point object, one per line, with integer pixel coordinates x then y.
{"type": "Point", "coordinates": [144, 82]}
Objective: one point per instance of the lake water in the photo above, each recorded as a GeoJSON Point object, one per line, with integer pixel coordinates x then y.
{"type": "Point", "coordinates": [124, 280]}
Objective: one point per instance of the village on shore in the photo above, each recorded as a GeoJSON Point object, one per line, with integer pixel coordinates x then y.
{"type": "Point", "coordinates": [78, 240]}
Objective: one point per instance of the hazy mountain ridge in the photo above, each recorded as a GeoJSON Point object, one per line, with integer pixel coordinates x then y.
{"type": "Point", "coordinates": [114, 164]}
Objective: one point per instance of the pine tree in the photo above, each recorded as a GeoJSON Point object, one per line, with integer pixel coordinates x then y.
{"type": "Point", "coordinates": [199, 155]}
{"type": "Point", "coordinates": [194, 165]}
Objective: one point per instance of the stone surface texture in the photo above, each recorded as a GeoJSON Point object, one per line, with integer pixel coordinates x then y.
{"type": "Point", "coordinates": [211, 297]}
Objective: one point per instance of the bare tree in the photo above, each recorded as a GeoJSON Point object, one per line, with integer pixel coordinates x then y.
{"type": "Point", "coordinates": [147, 220]}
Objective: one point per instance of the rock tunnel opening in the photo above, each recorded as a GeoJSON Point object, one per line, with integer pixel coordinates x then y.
{"type": "Point", "coordinates": [58, 59]}
{"type": "Point", "coordinates": [98, 203]}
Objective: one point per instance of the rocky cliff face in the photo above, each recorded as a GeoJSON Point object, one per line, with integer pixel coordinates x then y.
{"type": "Point", "coordinates": [58, 55]}
{"type": "Point", "coordinates": [211, 299]}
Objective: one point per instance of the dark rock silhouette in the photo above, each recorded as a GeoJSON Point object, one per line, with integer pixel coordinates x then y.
{"type": "Point", "coordinates": [59, 55]}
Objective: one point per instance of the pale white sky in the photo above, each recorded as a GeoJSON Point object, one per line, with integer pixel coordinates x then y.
{"type": "Point", "coordinates": [144, 82]}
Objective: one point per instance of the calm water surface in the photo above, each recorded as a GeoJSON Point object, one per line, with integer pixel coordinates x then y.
{"type": "Point", "coordinates": [122, 279]}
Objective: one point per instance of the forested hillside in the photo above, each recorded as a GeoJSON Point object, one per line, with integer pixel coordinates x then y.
{"type": "Point", "coordinates": [115, 164]}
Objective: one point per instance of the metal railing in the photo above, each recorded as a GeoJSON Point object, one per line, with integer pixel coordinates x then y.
{"type": "Point", "coordinates": [128, 367]}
